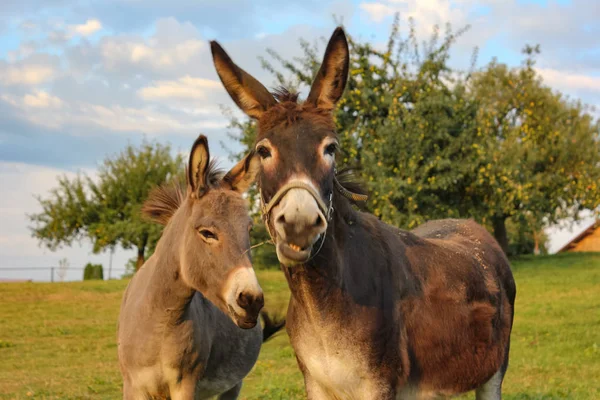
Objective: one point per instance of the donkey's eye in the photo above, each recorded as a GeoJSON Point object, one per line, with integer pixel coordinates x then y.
{"type": "Point", "coordinates": [263, 152]}
{"type": "Point", "coordinates": [208, 235]}
{"type": "Point", "coordinates": [330, 149]}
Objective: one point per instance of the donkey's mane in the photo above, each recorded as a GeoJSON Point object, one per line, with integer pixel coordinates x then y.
{"type": "Point", "coordinates": [347, 177]}
{"type": "Point", "coordinates": [288, 111]}
{"type": "Point", "coordinates": [283, 94]}
{"type": "Point", "coordinates": [164, 200]}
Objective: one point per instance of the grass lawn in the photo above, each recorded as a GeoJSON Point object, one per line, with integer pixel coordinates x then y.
{"type": "Point", "coordinates": [58, 341]}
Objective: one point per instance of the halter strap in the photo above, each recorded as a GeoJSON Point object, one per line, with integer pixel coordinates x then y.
{"type": "Point", "coordinates": [348, 194]}
{"type": "Point", "coordinates": [266, 208]}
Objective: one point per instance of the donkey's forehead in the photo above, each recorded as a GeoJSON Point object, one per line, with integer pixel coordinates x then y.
{"type": "Point", "coordinates": [297, 131]}
{"type": "Point", "coordinates": [222, 203]}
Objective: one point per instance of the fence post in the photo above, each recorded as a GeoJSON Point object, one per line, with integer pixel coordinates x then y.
{"type": "Point", "coordinates": [112, 250]}
{"type": "Point", "coordinates": [51, 274]}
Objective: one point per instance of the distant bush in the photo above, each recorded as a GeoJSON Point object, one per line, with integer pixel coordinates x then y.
{"type": "Point", "coordinates": [93, 271]}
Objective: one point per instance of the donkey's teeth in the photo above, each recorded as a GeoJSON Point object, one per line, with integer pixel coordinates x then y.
{"type": "Point", "coordinates": [294, 247]}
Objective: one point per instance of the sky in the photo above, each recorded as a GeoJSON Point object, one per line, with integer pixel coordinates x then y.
{"type": "Point", "coordinates": [80, 79]}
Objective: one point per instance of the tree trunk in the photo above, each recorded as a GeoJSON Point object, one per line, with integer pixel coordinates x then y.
{"type": "Point", "coordinates": [536, 240]}
{"type": "Point", "coordinates": [140, 258]}
{"type": "Point", "coordinates": [499, 224]}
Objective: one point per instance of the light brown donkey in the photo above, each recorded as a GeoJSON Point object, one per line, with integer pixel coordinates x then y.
{"type": "Point", "coordinates": [179, 333]}
{"type": "Point", "coordinates": [375, 312]}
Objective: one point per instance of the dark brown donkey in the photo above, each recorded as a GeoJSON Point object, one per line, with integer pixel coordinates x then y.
{"type": "Point", "coordinates": [179, 329]}
{"type": "Point", "coordinates": [376, 312]}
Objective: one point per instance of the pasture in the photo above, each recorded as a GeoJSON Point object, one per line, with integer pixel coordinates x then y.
{"type": "Point", "coordinates": [58, 341]}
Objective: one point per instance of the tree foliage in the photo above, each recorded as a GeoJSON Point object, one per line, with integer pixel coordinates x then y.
{"type": "Point", "coordinates": [494, 144]}
{"type": "Point", "coordinates": [106, 210]}
{"type": "Point", "coordinates": [540, 150]}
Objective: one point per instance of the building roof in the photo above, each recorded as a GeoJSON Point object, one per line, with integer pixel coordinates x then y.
{"type": "Point", "coordinates": [586, 232]}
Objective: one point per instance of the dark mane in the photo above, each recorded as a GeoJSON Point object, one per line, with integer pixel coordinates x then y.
{"type": "Point", "coordinates": [214, 172]}
{"type": "Point", "coordinates": [283, 95]}
{"type": "Point", "coordinates": [164, 200]}
{"type": "Point", "coordinates": [288, 111]}
{"type": "Point", "coordinates": [347, 177]}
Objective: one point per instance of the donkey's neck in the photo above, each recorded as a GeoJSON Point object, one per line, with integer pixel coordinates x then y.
{"type": "Point", "coordinates": [336, 269]}
{"type": "Point", "coordinates": [168, 293]}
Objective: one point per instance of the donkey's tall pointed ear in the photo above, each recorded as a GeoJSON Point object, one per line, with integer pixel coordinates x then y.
{"type": "Point", "coordinates": [330, 81]}
{"type": "Point", "coordinates": [198, 166]}
{"type": "Point", "coordinates": [248, 93]}
{"type": "Point", "coordinates": [244, 173]}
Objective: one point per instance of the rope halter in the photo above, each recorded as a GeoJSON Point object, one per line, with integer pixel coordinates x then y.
{"type": "Point", "coordinates": [326, 209]}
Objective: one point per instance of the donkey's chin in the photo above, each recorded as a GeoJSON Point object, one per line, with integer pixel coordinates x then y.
{"type": "Point", "coordinates": [290, 254]}
{"type": "Point", "coordinates": [244, 322]}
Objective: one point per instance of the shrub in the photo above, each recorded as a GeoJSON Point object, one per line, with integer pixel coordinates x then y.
{"type": "Point", "coordinates": [93, 271]}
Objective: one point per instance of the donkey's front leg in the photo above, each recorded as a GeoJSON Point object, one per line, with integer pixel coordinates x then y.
{"type": "Point", "coordinates": [185, 390]}
{"type": "Point", "coordinates": [131, 393]}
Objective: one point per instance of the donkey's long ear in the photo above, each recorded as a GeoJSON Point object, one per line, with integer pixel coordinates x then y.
{"type": "Point", "coordinates": [198, 166]}
{"type": "Point", "coordinates": [248, 93]}
{"type": "Point", "coordinates": [330, 81]}
{"type": "Point", "coordinates": [244, 173]}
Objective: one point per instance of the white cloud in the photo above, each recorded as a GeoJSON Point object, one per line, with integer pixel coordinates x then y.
{"type": "Point", "coordinates": [425, 12]}
{"type": "Point", "coordinates": [186, 87]}
{"type": "Point", "coordinates": [175, 46]}
{"type": "Point", "coordinates": [147, 120]}
{"type": "Point", "coordinates": [41, 99]}
{"type": "Point", "coordinates": [37, 99]}
{"type": "Point", "coordinates": [116, 51]}
{"type": "Point", "coordinates": [28, 74]}
{"type": "Point", "coordinates": [90, 27]}
{"type": "Point", "coordinates": [44, 109]}
{"type": "Point", "coordinates": [378, 11]}
{"type": "Point", "coordinates": [568, 80]}
{"type": "Point", "coordinates": [58, 37]}
{"type": "Point", "coordinates": [25, 50]}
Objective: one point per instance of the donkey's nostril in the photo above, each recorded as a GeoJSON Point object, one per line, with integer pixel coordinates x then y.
{"type": "Point", "coordinates": [251, 303]}
{"type": "Point", "coordinates": [244, 300]}
{"type": "Point", "coordinates": [281, 219]}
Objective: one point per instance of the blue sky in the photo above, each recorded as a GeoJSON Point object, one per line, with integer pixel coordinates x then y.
{"type": "Point", "coordinates": [79, 79]}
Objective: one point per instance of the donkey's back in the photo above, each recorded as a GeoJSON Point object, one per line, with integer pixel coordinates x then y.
{"type": "Point", "coordinates": [472, 248]}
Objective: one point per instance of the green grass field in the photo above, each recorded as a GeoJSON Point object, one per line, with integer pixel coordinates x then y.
{"type": "Point", "coordinates": [57, 341]}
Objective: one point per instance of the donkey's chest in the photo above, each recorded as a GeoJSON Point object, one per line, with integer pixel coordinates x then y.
{"type": "Point", "coordinates": [338, 366]}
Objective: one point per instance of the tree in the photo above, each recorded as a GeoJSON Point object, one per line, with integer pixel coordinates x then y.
{"type": "Point", "coordinates": [106, 210]}
{"type": "Point", "coordinates": [540, 152]}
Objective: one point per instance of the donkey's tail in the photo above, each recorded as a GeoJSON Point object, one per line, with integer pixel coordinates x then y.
{"type": "Point", "coordinates": [271, 325]}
